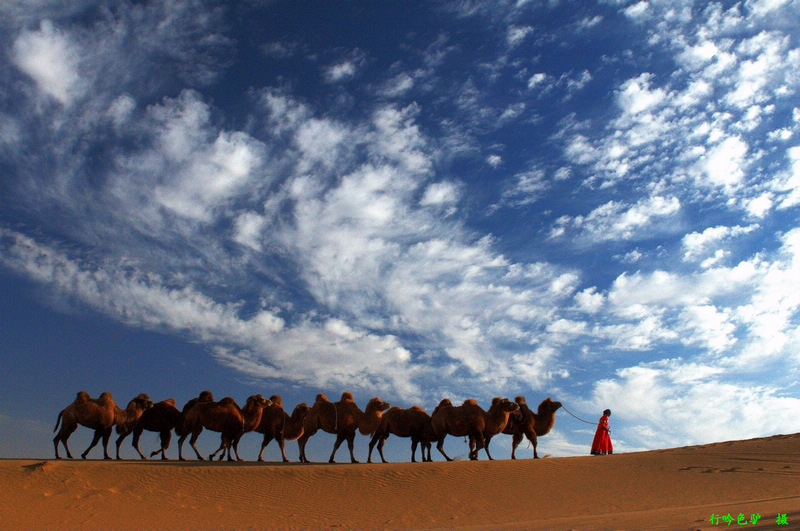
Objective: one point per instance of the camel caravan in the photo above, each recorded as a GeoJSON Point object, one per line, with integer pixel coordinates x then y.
{"type": "Point", "coordinates": [266, 416]}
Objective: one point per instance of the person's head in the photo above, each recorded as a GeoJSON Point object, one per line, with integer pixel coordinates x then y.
{"type": "Point", "coordinates": [607, 412]}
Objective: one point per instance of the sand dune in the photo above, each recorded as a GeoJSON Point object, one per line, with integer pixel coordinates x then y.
{"type": "Point", "coordinates": [678, 488]}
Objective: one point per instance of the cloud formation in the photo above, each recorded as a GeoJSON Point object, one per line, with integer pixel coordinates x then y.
{"type": "Point", "coordinates": [404, 226]}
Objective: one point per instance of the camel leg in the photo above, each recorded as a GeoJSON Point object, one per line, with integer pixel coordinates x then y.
{"type": "Point", "coordinates": [516, 438]}
{"type": "Point", "coordinates": [165, 437]}
{"type": "Point", "coordinates": [106, 438]}
{"type": "Point", "coordinates": [119, 441]}
{"type": "Point", "coordinates": [440, 447]}
{"type": "Point", "coordinates": [282, 443]}
{"type": "Point", "coordinates": [381, 442]}
{"type": "Point", "coordinates": [414, 443]}
{"type": "Point", "coordinates": [372, 443]}
{"type": "Point", "coordinates": [180, 446]}
{"type": "Point", "coordinates": [339, 439]}
{"type": "Point", "coordinates": [350, 440]}
{"type": "Point", "coordinates": [475, 444]}
{"type": "Point", "coordinates": [533, 439]}
{"type": "Point", "coordinates": [192, 442]}
{"type": "Point", "coordinates": [235, 449]}
{"type": "Point", "coordinates": [137, 434]}
{"type": "Point", "coordinates": [63, 437]}
{"type": "Point", "coordinates": [224, 444]}
{"type": "Point", "coordinates": [486, 447]}
{"type": "Point", "coordinates": [264, 443]}
{"type": "Point", "coordinates": [427, 446]}
{"type": "Point", "coordinates": [97, 435]}
{"type": "Point", "coordinates": [301, 445]}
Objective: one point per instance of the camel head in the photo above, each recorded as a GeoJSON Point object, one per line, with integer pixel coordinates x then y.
{"type": "Point", "coordinates": [259, 400]}
{"type": "Point", "coordinates": [377, 404]}
{"type": "Point", "coordinates": [548, 406]}
{"type": "Point", "coordinates": [142, 402]}
{"type": "Point", "coordinates": [506, 405]}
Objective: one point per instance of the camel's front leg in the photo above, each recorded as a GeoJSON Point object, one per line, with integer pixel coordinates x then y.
{"type": "Point", "coordinates": [440, 447]}
{"type": "Point", "coordinates": [137, 434]}
{"type": "Point", "coordinates": [486, 447]}
{"type": "Point", "coordinates": [119, 441]}
{"type": "Point", "coordinates": [181, 439]}
{"type": "Point", "coordinates": [193, 444]}
{"type": "Point", "coordinates": [350, 440]}
{"type": "Point", "coordinates": [301, 446]}
{"type": "Point", "coordinates": [339, 439]}
{"type": "Point", "coordinates": [380, 447]}
{"type": "Point", "coordinates": [165, 437]}
{"type": "Point", "coordinates": [235, 449]}
{"type": "Point", "coordinates": [516, 438]}
{"type": "Point", "coordinates": [95, 440]}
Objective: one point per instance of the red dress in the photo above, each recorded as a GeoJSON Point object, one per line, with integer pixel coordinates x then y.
{"type": "Point", "coordinates": [601, 444]}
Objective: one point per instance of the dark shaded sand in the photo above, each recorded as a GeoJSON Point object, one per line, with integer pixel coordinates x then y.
{"type": "Point", "coordinates": [676, 488]}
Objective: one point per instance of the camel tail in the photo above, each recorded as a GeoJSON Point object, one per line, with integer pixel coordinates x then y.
{"type": "Point", "coordinates": [58, 421]}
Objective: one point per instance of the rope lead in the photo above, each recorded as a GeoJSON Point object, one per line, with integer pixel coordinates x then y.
{"type": "Point", "coordinates": [580, 419]}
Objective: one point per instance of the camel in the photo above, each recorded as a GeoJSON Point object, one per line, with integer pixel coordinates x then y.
{"type": "Point", "coordinates": [227, 418]}
{"type": "Point", "coordinates": [472, 421]}
{"type": "Point", "coordinates": [342, 418]}
{"type": "Point", "coordinates": [277, 424]}
{"type": "Point", "coordinates": [99, 414]}
{"type": "Point", "coordinates": [163, 417]}
{"type": "Point", "coordinates": [413, 422]}
{"type": "Point", "coordinates": [181, 429]}
{"type": "Point", "coordinates": [532, 425]}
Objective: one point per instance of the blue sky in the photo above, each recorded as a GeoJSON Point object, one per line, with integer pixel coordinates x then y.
{"type": "Point", "coordinates": [594, 201]}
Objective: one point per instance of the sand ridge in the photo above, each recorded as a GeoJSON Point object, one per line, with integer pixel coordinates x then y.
{"type": "Point", "coordinates": [676, 488]}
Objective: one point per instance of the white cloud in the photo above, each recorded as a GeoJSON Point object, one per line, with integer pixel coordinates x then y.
{"type": "Point", "coordinates": [618, 221]}
{"type": "Point", "coordinates": [397, 86]}
{"type": "Point", "coordinates": [636, 96]}
{"type": "Point", "coordinates": [190, 168]}
{"type": "Point", "coordinates": [52, 60]}
{"type": "Point", "coordinates": [589, 300]}
{"type": "Point", "coordinates": [340, 72]}
{"type": "Point", "coordinates": [725, 163]}
{"type": "Point", "coordinates": [516, 34]}
{"type": "Point", "coordinates": [699, 244]}
{"type": "Point", "coordinates": [440, 193]}
{"type": "Point", "coordinates": [700, 403]}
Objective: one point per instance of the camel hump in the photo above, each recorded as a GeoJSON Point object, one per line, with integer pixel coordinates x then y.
{"type": "Point", "coordinates": [347, 396]}
{"type": "Point", "coordinates": [321, 398]}
{"type": "Point", "coordinates": [276, 400]}
{"type": "Point", "coordinates": [519, 399]}
{"type": "Point", "coordinates": [226, 401]}
{"type": "Point", "coordinates": [82, 396]}
{"type": "Point", "coordinates": [205, 396]}
{"type": "Point", "coordinates": [106, 397]}
{"type": "Point", "coordinates": [414, 408]}
{"type": "Point", "coordinates": [470, 402]}
{"type": "Point", "coordinates": [170, 401]}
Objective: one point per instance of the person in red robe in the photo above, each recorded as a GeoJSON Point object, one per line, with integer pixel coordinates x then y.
{"type": "Point", "coordinates": [601, 445]}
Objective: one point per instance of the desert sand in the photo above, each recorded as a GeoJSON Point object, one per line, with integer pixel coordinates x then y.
{"type": "Point", "coordinates": [678, 488]}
